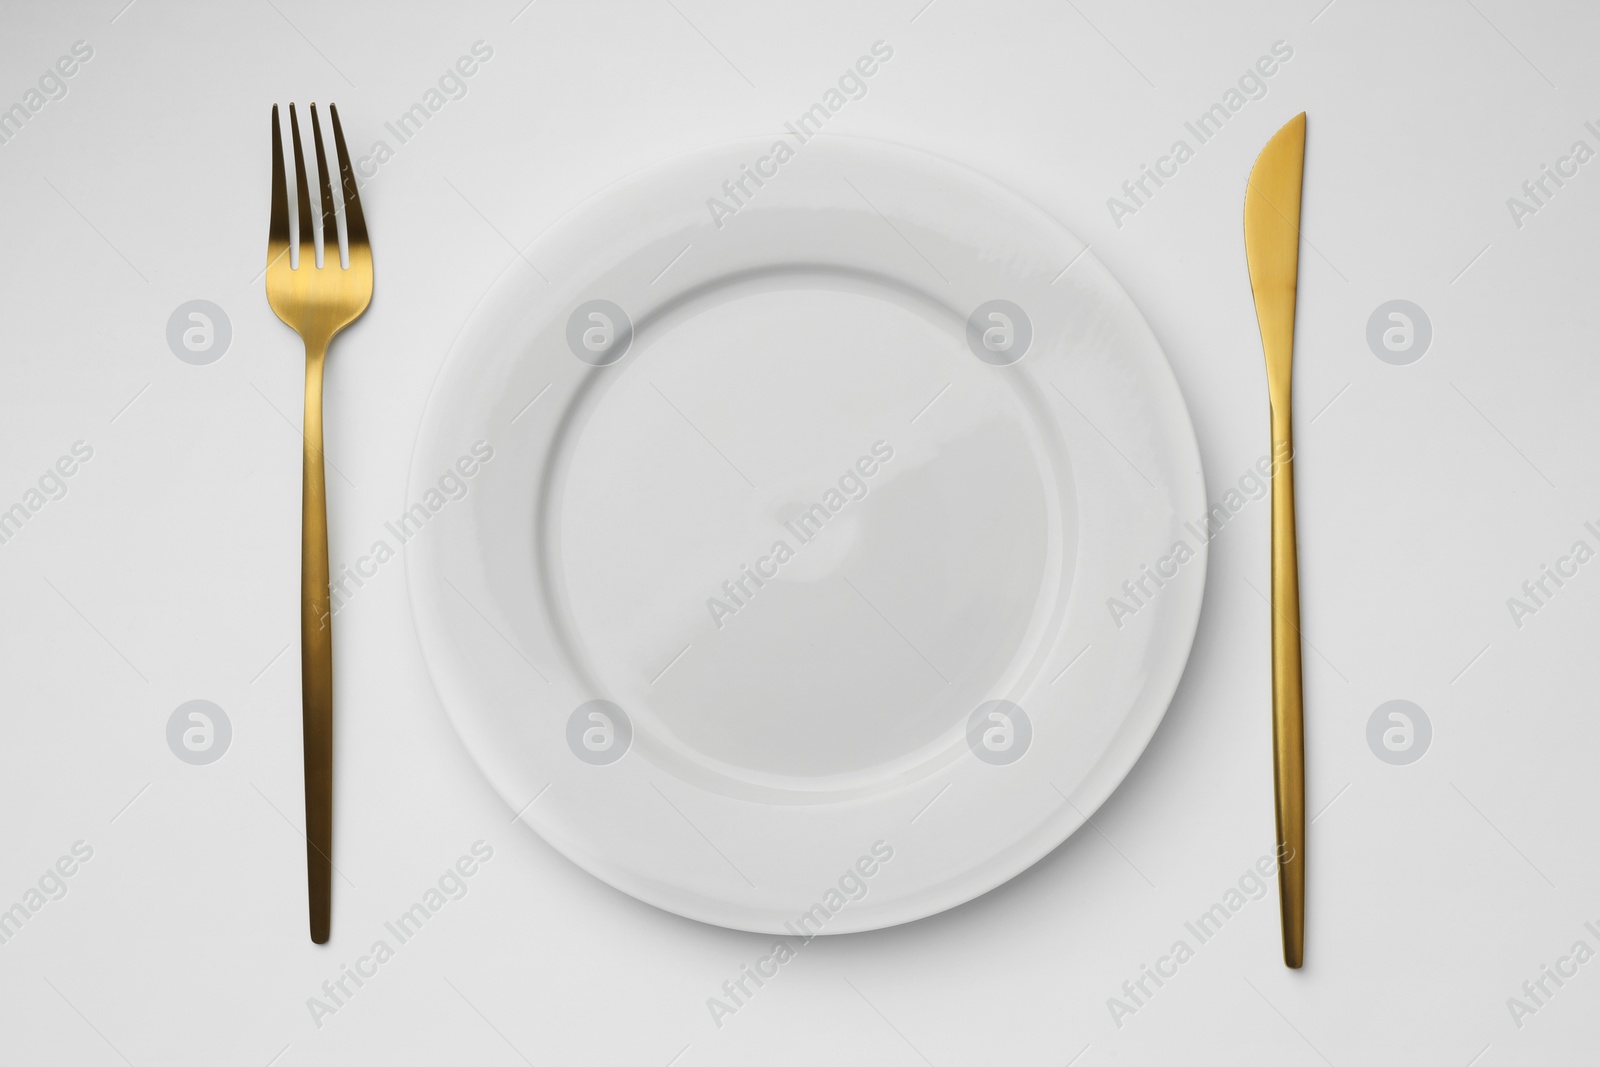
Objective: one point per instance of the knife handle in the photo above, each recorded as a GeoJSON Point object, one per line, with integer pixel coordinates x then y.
{"type": "Point", "coordinates": [316, 658]}
{"type": "Point", "coordinates": [1288, 723]}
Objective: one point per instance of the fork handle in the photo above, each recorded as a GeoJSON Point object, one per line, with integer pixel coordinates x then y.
{"type": "Point", "coordinates": [1288, 721]}
{"type": "Point", "coordinates": [316, 657]}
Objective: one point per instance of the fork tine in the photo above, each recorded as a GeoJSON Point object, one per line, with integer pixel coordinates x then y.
{"type": "Point", "coordinates": [330, 223]}
{"type": "Point", "coordinates": [355, 224]}
{"type": "Point", "coordinates": [278, 228]}
{"type": "Point", "coordinates": [302, 202]}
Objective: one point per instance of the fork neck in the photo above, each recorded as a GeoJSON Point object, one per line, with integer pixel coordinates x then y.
{"type": "Point", "coordinates": [316, 350]}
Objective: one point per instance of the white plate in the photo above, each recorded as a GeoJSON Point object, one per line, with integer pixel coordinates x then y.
{"type": "Point", "coordinates": [797, 743]}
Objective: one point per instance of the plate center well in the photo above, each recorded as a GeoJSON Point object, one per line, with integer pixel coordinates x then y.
{"type": "Point", "coordinates": [804, 531]}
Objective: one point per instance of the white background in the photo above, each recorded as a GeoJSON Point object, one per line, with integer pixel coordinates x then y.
{"type": "Point", "coordinates": [1428, 493]}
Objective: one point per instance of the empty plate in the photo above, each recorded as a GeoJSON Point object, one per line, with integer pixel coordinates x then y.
{"type": "Point", "coordinates": [798, 535]}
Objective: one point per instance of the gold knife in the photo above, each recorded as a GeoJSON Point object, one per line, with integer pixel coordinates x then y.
{"type": "Point", "coordinates": [1272, 249]}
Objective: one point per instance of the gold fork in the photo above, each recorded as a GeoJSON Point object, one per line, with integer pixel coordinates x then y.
{"type": "Point", "coordinates": [316, 302]}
